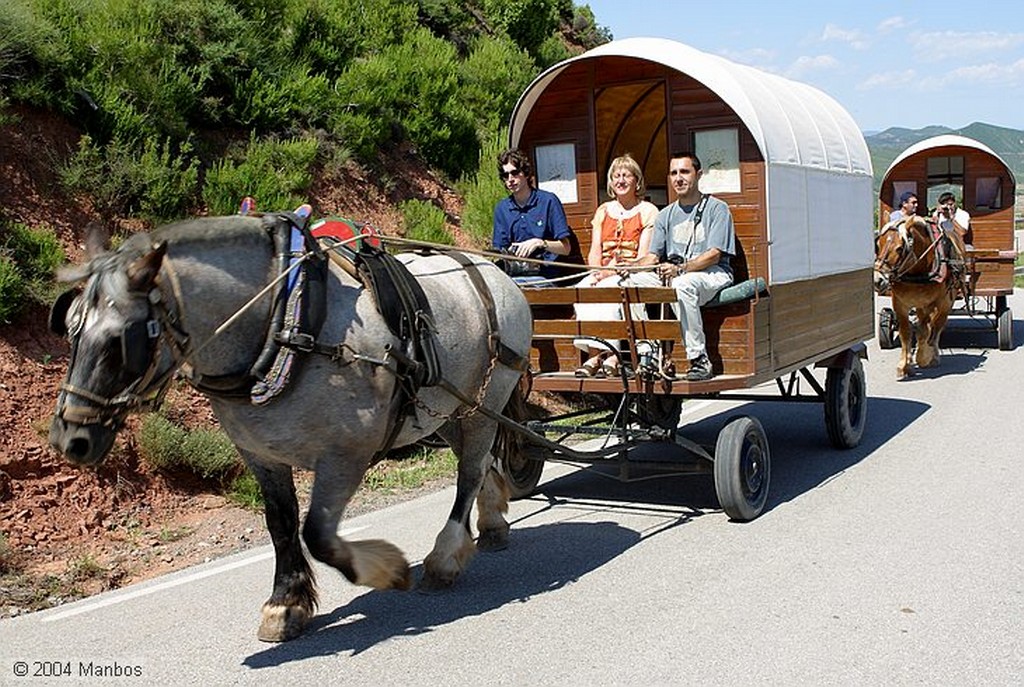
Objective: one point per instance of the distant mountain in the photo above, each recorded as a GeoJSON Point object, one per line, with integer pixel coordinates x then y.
{"type": "Point", "coordinates": [884, 146]}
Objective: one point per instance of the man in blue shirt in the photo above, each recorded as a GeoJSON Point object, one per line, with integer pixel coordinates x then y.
{"type": "Point", "coordinates": [529, 223]}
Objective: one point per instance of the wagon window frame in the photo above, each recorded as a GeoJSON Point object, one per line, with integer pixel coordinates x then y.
{"type": "Point", "coordinates": [555, 169]}
{"type": "Point", "coordinates": [945, 169]}
{"type": "Point", "coordinates": [988, 193]}
{"type": "Point", "coordinates": [724, 179]}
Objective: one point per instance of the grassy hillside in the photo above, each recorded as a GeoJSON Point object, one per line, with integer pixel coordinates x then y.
{"type": "Point", "coordinates": [1007, 143]}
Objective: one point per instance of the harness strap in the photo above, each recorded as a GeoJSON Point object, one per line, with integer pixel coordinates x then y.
{"type": "Point", "coordinates": [505, 355]}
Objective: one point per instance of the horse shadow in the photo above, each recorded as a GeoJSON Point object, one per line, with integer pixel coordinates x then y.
{"type": "Point", "coordinates": [548, 557]}
{"type": "Point", "coordinates": [540, 559]}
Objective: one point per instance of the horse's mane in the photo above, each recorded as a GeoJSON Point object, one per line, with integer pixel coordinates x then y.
{"type": "Point", "coordinates": [222, 230]}
{"type": "Point", "coordinates": [110, 267]}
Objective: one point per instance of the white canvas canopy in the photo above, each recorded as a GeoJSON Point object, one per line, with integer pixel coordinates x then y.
{"type": "Point", "coordinates": [818, 170]}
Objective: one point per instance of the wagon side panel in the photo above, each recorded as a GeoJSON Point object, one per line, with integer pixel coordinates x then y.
{"type": "Point", "coordinates": [812, 317]}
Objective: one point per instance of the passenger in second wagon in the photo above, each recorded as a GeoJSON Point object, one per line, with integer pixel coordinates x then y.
{"type": "Point", "coordinates": [694, 241]}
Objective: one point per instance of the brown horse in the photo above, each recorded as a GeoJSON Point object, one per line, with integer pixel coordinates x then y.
{"type": "Point", "coordinates": [923, 268]}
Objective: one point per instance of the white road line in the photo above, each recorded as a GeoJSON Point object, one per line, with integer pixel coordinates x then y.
{"type": "Point", "coordinates": [128, 595]}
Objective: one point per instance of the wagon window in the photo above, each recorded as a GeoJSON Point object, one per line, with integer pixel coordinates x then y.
{"type": "Point", "coordinates": [556, 171]}
{"type": "Point", "coordinates": [719, 153]}
{"type": "Point", "coordinates": [988, 193]}
{"type": "Point", "coordinates": [946, 170]}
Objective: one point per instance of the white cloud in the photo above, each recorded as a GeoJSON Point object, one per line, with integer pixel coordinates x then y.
{"type": "Point", "coordinates": [810, 63]}
{"type": "Point", "coordinates": [891, 81]}
{"type": "Point", "coordinates": [990, 73]}
{"type": "Point", "coordinates": [893, 24]}
{"type": "Point", "coordinates": [932, 46]}
{"type": "Point", "coordinates": [991, 76]}
{"type": "Point", "coordinates": [852, 37]}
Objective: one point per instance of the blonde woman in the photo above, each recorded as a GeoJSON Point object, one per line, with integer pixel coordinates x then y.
{"type": "Point", "coordinates": [620, 235]}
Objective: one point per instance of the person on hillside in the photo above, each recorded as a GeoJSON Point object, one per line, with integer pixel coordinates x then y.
{"type": "Point", "coordinates": [530, 222]}
{"type": "Point", "coordinates": [620, 234]}
{"type": "Point", "coordinates": [693, 243]}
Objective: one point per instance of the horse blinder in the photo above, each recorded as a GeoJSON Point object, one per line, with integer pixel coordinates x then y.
{"type": "Point", "coordinates": [135, 345]}
{"type": "Point", "coordinates": [59, 312]}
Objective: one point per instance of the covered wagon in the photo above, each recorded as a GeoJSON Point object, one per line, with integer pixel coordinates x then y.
{"type": "Point", "coordinates": [795, 171]}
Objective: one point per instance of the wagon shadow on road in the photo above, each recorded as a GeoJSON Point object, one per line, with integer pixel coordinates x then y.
{"type": "Point", "coordinates": [539, 559]}
{"type": "Point", "coordinates": [802, 458]}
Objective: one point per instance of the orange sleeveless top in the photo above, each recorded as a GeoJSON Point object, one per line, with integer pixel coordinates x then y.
{"type": "Point", "coordinates": [620, 238]}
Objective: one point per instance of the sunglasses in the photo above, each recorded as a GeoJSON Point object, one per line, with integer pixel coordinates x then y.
{"type": "Point", "coordinates": [510, 173]}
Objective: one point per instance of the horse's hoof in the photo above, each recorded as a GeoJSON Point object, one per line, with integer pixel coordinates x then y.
{"type": "Point", "coordinates": [493, 540]}
{"type": "Point", "coordinates": [282, 623]}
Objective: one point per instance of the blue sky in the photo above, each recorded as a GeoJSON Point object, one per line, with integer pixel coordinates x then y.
{"type": "Point", "coordinates": [908, 64]}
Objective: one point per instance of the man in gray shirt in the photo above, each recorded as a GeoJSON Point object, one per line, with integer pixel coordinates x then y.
{"type": "Point", "coordinates": [693, 242]}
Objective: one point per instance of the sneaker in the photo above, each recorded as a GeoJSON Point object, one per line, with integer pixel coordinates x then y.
{"type": "Point", "coordinates": [700, 369]}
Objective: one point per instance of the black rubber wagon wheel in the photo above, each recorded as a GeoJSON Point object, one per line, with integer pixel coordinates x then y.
{"type": "Point", "coordinates": [522, 471]}
{"type": "Point", "coordinates": [1004, 324]}
{"type": "Point", "coordinates": [887, 328]}
{"type": "Point", "coordinates": [846, 407]}
{"type": "Point", "coordinates": [742, 468]}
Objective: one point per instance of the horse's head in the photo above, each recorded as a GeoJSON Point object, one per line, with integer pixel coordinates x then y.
{"type": "Point", "coordinates": [894, 248]}
{"type": "Point", "coordinates": [114, 324]}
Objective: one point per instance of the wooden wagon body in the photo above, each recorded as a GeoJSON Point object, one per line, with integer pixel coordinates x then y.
{"type": "Point", "coordinates": [788, 160]}
{"type": "Point", "coordinates": [986, 189]}
{"type": "Point", "coordinates": [792, 166]}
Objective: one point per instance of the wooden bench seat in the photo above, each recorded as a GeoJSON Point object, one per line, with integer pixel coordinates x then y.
{"type": "Point", "coordinates": [731, 326]}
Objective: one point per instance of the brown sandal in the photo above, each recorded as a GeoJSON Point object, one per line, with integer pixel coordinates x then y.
{"type": "Point", "coordinates": [610, 366]}
{"type": "Point", "coordinates": [591, 368]}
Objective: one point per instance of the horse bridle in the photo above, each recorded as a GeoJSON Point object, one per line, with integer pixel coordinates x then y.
{"type": "Point", "coordinates": [140, 353]}
{"type": "Point", "coordinates": [908, 260]}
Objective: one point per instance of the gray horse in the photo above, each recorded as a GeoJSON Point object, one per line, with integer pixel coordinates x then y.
{"type": "Point", "coordinates": [158, 304]}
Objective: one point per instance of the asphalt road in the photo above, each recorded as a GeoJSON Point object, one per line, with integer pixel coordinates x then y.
{"type": "Point", "coordinates": [899, 562]}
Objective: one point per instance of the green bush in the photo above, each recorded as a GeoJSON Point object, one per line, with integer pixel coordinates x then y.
{"type": "Point", "coordinates": [493, 75]}
{"type": "Point", "coordinates": [127, 178]}
{"type": "Point", "coordinates": [328, 36]}
{"type": "Point", "coordinates": [410, 88]}
{"type": "Point", "coordinates": [273, 103]}
{"type": "Point", "coordinates": [37, 252]}
{"type": "Point", "coordinates": [167, 446]}
{"type": "Point", "coordinates": [28, 260]}
{"type": "Point", "coordinates": [245, 491]}
{"type": "Point", "coordinates": [12, 290]}
{"type": "Point", "coordinates": [277, 174]}
{"type": "Point", "coordinates": [482, 190]}
{"type": "Point", "coordinates": [529, 22]}
{"type": "Point", "coordinates": [7, 562]}
{"type": "Point", "coordinates": [32, 54]}
{"type": "Point", "coordinates": [424, 221]}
